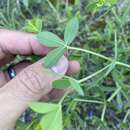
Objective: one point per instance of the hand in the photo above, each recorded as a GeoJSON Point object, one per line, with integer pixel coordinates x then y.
{"type": "Point", "coordinates": [32, 81]}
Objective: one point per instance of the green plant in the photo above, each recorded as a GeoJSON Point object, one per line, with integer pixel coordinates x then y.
{"type": "Point", "coordinates": [96, 34]}
{"type": "Point", "coordinates": [96, 5]}
{"type": "Point", "coordinates": [54, 111]}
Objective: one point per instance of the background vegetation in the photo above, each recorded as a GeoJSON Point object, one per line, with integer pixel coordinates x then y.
{"type": "Point", "coordinates": [106, 104]}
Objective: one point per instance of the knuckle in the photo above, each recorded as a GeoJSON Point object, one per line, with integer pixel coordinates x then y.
{"type": "Point", "coordinates": [31, 80]}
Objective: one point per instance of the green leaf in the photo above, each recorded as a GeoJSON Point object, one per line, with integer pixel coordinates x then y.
{"type": "Point", "coordinates": [53, 57]}
{"type": "Point", "coordinates": [92, 7]}
{"type": "Point", "coordinates": [34, 25]}
{"type": "Point", "coordinates": [66, 83]}
{"type": "Point", "coordinates": [61, 83]}
{"type": "Point", "coordinates": [76, 85]}
{"type": "Point", "coordinates": [38, 127]}
{"type": "Point", "coordinates": [112, 2]}
{"type": "Point", "coordinates": [26, 3]}
{"type": "Point", "coordinates": [49, 39]}
{"type": "Point", "coordinates": [43, 107]}
{"type": "Point", "coordinates": [100, 3]}
{"type": "Point", "coordinates": [71, 30]}
{"type": "Point", "coordinates": [52, 121]}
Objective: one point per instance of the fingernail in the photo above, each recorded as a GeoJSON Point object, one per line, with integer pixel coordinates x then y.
{"type": "Point", "coordinates": [62, 66]}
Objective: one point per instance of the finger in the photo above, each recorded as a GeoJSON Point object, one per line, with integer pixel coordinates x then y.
{"type": "Point", "coordinates": [13, 42]}
{"type": "Point", "coordinates": [18, 68]}
{"type": "Point", "coordinates": [73, 68]}
{"type": "Point", "coordinates": [6, 59]}
{"type": "Point", "coordinates": [29, 85]}
{"type": "Point", "coordinates": [55, 94]}
{"type": "Point", "coordinates": [4, 77]}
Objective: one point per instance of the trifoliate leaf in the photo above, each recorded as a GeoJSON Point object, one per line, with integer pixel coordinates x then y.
{"type": "Point", "coordinates": [43, 107]}
{"type": "Point", "coordinates": [49, 39]}
{"type": "Point", "coordinates": [53, 57]}
{"type": "Point", "coordinates": [71, 30]}
{"type": "Point", "coordinates": [52, 121]}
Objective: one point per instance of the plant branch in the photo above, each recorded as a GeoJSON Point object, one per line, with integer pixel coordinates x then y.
{"type": "Point", "coordinates": [89, 101]}
{"type": "Point", "coordinates": [64, 96]}
{"type": "Point", "coordinates": [94, 74]}
{"type": "Point", "coordinates": [89, 52]}
{"type": "Point", "coordinates": [103, 112]}
{"type": "Point", "coordinates": [99, 55]}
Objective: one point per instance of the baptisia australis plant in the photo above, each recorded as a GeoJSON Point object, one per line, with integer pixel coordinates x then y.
{"type": "Point", "coordinates": [52, 119]}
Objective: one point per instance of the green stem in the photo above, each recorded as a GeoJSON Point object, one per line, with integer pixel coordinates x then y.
{"type": "Point", "coordinates": [114, 94]}
{"type": "Point", "coordinates": [126, 116]}
{"type": "Point", "coordinates": [90, 52]}
{"type": "Point", "coordinates": [103, 112]}
{"type": "Point", "coordinates": [54, 9]}
{"type": "Point", "coordinates": [116, 48]}
{"type": "Point", "coordinates": [89, 101]}
{"type": "Point", "coordinates": [64, 96]}
{"type": "Point", "coordinates": [122, 64]}
{"type": "Point", "coordinates": [99, 55]}
{"type": "Point", "coordinates": [94, 74]}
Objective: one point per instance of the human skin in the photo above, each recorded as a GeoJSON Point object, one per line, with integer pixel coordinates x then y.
{"type": "Point", "coordinates": [32, 82]}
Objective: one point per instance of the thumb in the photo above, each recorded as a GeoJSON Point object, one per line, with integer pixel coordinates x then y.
{"type": "Point", "coordinates": [29, 85]}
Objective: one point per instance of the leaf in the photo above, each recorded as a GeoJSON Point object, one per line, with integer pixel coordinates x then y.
{"type": "Point", "coordinates": [34, 25]}
{"type": "Point", "coordinates": [61, 83]}
{"type": "Point", "coordinates": [112, 2]}
{"type": "Point", "coordinates": [100, 3]}
{"type": "Point", "coordinates": [53, 57]}
{"type": "Point", "coordinates": [52, 121]}
{"type": "Point", "coordinates": [38, 127]}
{"type": "Point", "coordinates": [71, 30]}
{"type": "Point", "coordinates": [26, 3]}
{"type": "Point", "coordinates": [92, 7]}
{"type": "Point", "coordinates": [43, 107]}
{"type": "Point", "coordinates": [75, 84]}
{"type": "Point", "coordinates": [49, 39]}
{"type": "Point", "coordinates": [68, 82]}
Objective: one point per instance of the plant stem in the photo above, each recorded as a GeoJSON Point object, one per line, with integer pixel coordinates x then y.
{"type": "Point", "coordinates": [122, 64]}
{"type": "Point", "coordinates": [103, 112]}
{"type": "Point", "coordinates": [99, 55]}
{"type": "Point", "coordinates": [89, 101]}
{"type": "Point", "coordinates": [114, 94]}
{"type": "Point", "coordinates": [116, 47]}
{"type": "Point", "coordinates": [94, 74]}
{"type": "Point", "coordinates": [126, 116]}
{"type": "Point", "coordinates": [90, 52]}
{"type": "Point", "coordinates": [64, 96]}
{"type": "Point", "coordinates": [54, 9]}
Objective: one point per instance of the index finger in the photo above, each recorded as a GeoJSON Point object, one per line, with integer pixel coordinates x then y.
{"type": "Point", "coordinates": [14, 42]}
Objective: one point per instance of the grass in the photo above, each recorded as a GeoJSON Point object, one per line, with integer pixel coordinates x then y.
{"type": "Point", "coordinates": [107, 92]}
